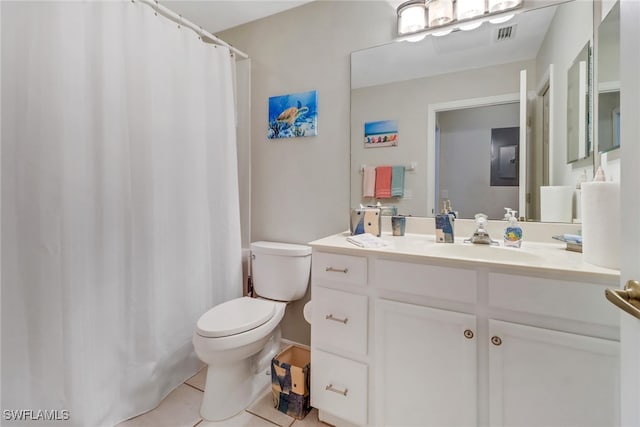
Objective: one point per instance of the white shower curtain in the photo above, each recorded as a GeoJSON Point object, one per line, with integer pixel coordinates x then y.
{"type": "Point", "coordinates": [120, 222]}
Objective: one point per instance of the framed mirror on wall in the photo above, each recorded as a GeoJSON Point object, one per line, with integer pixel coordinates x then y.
{"type": "Point", "coordinates": [579, 106]}
{"type": "Point", "coordinates": [401, 81]}
{"type": "Point", "coordinates": [608, 81]}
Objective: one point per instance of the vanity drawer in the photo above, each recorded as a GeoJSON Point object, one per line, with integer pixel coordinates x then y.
{"type": "Point", "coordinates": [549, 297]}
{"type": "Point", "coordinates": [339, 320]}
{"type": "Point", "coordinates": [339, 386]}
{"type": "Point", "coordinates": [456, 284]}
{"type": "Point", "coordinates": [339, 268]}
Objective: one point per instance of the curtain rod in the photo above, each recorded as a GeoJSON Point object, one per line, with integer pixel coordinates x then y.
{"type": "Point", "coordinates": [179, 19]}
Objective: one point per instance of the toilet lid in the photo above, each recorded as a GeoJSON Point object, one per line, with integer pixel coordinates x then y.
{"type": "Point", "coordinates": [234, 317]}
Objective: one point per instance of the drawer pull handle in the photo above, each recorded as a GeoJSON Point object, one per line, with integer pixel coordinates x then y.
{"type": "Point", "coordinates": [468, 334]}
{"type": "Point", "coordinates": [335, 319]}
{"type": "Point", "coordinates": [335, 390]}
{"type": "Point", "coordinates": [337, 270]}
{"type": "Point", "coordinates": [496, 340]}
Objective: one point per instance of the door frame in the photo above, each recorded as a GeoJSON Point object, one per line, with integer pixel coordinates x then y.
{"type": "Point", "coordinates": [630, 205]}
{"type": "Point", "coordinates": [432, 111]}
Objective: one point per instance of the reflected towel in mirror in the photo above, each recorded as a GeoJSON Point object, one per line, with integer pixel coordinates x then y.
{"type": "Point", "coordinates": [383, 182]}
{"type": "Point", "coordinates": [397, 181]}
{"type": "Point", "coordinates": [368, 181]}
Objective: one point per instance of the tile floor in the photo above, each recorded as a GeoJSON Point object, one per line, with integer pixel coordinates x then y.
{"type": "Point", "coordinates": [182, 409]}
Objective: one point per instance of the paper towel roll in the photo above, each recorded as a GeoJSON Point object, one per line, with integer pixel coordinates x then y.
{"type": "Point", "coordinates": [601, 223]}
{"type": "Point", "coordinates": [556, 203]}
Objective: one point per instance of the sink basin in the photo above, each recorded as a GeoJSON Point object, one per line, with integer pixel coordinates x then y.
{"type": "Point", "coordinates": [489, 253]}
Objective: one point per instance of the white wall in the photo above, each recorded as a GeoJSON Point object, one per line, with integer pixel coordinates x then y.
{"type": "Point", "coordinates": [465, 159]}
{"type": "Point", "coordinates": [300, 186]}
{"type": "Point", "coordinates": [408, 101]}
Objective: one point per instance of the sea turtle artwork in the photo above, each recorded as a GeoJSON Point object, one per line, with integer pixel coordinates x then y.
{"type": "Point", "coordinates": [293, 115]}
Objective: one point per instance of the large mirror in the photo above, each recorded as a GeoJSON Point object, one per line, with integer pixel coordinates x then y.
{"type": "Point", "coordinates": [446, 96]}
{"type": "Point", "coordinates": [578, 116]}
{"type": "Point", "coordinates": [608, 86]}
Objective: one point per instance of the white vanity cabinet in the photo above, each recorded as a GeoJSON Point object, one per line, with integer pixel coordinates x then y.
{"type": "Point", "coordinates": [339, 337]}
{"type": "Point", "coordinates": [437, 342]}
{"type": "Point", "coordinates": [541, 377]}
{"type": "Point", "coordinates": [426, 369]}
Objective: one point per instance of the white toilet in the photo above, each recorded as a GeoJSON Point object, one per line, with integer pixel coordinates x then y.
{"type": "Point", "coordinates": [237, 339]}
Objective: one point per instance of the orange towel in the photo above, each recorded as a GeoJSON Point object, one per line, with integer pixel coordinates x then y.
{"type": "Point", "coordinates": [383, 182]}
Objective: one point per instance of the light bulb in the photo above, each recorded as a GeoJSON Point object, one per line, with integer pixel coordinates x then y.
{"type": "Point", "coordinates": [468, 9]}
{"type": "Point", "coordinates": [440, 12]}
{"type": "Point", "coordinates": [441, 33]}
{"type": "Point", "coordinates": [416, 39]}
{"type": "Point", "coordinates": [412, 18]}
{"type": "Point", "coordinates": [471, 26]}
{"type": "Point", "coordinates": [501, 19]}
{"type": "Point", "coordinates": [498, 5]}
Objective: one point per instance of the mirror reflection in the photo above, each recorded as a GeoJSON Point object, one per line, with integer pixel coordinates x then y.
{"type": "Point", "coordinates": [427, 87]}
{"type": "Point", "coordinates": [578, 78]}
{"type": "Point", "coordinates": [608, 87]}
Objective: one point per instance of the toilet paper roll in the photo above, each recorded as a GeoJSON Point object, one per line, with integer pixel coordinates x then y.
{"type": "Point", "coordinates": [601, 223]}
{"type": "Point", "coordinates": [306, 312]}
{"type": "Point", "coordinates": [556, 203]}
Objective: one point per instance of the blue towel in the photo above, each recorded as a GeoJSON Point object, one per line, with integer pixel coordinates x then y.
{"type": "Point", "coordinates": [397, 181]}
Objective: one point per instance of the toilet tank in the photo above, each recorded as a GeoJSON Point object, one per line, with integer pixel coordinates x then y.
{"type": "Point", "coordinates": [280, 271]}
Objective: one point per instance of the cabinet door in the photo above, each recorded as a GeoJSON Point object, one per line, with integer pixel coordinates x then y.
{"type": "Point", "coordinates": [425, 361]}
{"type": "Point", "coordinates": [539, 377]}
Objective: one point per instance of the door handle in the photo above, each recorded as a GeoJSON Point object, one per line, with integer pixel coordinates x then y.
{"type": "Point", "coordinates": [628, 299]}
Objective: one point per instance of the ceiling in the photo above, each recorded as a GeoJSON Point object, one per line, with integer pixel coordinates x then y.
{"type": "Point", "coordinates": [219, 15]}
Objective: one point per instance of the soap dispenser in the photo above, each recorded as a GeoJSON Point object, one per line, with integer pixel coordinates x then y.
{"type": "Point", "coordinates": [444, 225]}
{"type": "Point", "coordinates": [513, 232]}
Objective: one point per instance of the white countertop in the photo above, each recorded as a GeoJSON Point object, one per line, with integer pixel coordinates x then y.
{"type": "Point", "coordinates": [532, 256]}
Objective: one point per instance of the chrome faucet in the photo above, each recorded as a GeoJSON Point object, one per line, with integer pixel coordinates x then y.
{"type": "Point", "coordinates": [481, 235]}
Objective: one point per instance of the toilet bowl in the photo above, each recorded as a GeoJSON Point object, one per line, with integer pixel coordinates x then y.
{"type": "Point", "coordinates": [238, 364]}
{"type": "Point", "coordinates": [237, 339]}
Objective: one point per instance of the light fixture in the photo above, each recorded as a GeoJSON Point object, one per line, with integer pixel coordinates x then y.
{"type": "Point", "coordinates": [412, 17]}
{"type": "Point", "coordinates": [417, 18]}
{"type": "Point", "coordinates": [469, 9]}
{"type": "Point", "coordinates": [440, 12]}
{"type": "Point", "coordinates": [502, 5]}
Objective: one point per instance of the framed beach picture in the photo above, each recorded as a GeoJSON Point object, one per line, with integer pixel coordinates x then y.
{"type": "Point", "coordinates": [381, 134]}
{"type": "Point", "coordinates": [293, 115]}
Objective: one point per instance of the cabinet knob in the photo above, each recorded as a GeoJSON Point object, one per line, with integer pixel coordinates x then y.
{"type": "Point", "coordinates": [496, 340]}
{"type": "Point", "coordinates": [468, 334]}
{"type": "Point", "coordinates": [335, 319]}
{"type": "Point", "coordinates": [330, 387]}
{"type": "Point", "coordinates": [337, 270]}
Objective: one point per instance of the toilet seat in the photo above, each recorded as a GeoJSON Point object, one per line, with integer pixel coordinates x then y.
{"type": "Point", "coordinates": [235, 317]}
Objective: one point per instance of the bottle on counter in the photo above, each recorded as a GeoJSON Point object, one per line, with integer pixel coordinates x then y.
{"type": "Point", "coordinates": [513, 231]}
